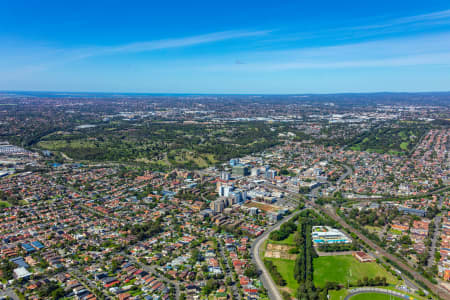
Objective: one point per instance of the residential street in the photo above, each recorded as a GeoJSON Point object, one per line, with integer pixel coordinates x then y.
{"type": "Point", "coordinates": [437, 225]}
{"type": "Point", "coordinates": [228, 271]}
{"type": "Point", "coordinates": [152, 270]}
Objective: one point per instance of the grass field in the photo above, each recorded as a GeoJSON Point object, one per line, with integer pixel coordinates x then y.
{"type": "Point", "coordinates": [4, 204]}
{"type": "Point", "coordinates": [404, 146]}
{"type": "Point", "coordinates": [374, 296]}
{"type": "Point", "coordinates": [340, 295]}
{"type": "Point", "coordinates": [287, 241]}
{"type": "Point", "coordinates": [286, 269]}
{"type": "Point", "coordinates": [337, 295]}
{"type": "Point", "coordinates": [395, 231]}
{"type": "Point", "coordinates": [373, 228]}
{"type": "Point", "coordinates": [346, 268]}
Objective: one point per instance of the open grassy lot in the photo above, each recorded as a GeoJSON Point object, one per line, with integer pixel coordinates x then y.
{"type": "Point", "coordinates": [286, 269]}
{"type": "Point", "coordinates": [4, 204]}
{"type": "Point", "coordinates": [404, 145]}
{"type": "Point", "coordinates": [279, 251]}
{"type": "Point", "coordinates": [374, 296]}
{"type": "Point", "coordinates": [395, 231]}
{"type": "Point", "coordinates": [287, 241]}
{"type": "Point", "coordinates": [373, 228]}
{"type": "Point", "coordinates": [346, 268]}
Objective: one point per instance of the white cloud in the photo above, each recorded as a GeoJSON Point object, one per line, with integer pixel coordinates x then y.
{"type": "Point", "coordinates": [415, 50]}
{"type": "Point", "coordinates": [395, 52]}
{"type": "Point", "coordinates": [39, 57]}
{"type": "Point", "coordinates": [385, 26]}
{"type": "Point", "coordinates": [166, 43]}
{"type": "Point", "coordinates": [186, 41]}
{"type": "Point", "coordinates": [435, 18]}
{"type": "Point", "coordinates": [414, 60]}
{"type": "Point", "coordinates": [439, 15]}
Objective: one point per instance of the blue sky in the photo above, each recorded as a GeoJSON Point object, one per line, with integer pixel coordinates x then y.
{"type": "Point", "coordinates": [225, 46]}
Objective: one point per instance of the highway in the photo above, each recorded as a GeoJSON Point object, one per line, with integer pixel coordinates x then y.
{"type": "Point", "coordinates": [266, 279]}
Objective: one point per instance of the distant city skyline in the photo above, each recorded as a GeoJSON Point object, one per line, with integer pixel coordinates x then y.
{"type": "Point", "coordinates": [225, 48]}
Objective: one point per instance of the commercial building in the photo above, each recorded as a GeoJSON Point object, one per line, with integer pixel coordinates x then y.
{"type": "Point", "coordinates": [328, 235]}
{"type": "Point", "coordinates": [217, 206]}
{"type": "Point", "coordinates": [234, 162]}
{"type": "Point", "coordinates": [241, 170]}
{"type": "Point", "coordinates": [412, 211]}
{"type": "Point", "coordinates": [21, 273]}
{"type": "Point", "coordinates": [225, 176]}
{"type": "Point", "coordinates": [363, 257]}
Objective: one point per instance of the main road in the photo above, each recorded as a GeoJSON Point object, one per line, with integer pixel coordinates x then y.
{"type": "Point", "coordinates": [380, 252]}
{"type": "Point", "coordinates": [265, 277]}
{"type": "Point", "coordinates": [348, 172]}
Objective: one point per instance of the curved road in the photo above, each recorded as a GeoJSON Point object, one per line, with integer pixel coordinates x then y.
{"type": "Point", "coordinates": [355, 292]}
{"type": "Point", "coordinates": [348, 171]}
{"type": "Point", "coordinates": [266, 279]}
{"type": "Point", "coordinates": [380, 252]}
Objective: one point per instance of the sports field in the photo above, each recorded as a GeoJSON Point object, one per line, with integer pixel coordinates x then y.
{"type": "Point", "coordinates": [345, 268]}
{"type": "Point", "coordinates": [374, 296]}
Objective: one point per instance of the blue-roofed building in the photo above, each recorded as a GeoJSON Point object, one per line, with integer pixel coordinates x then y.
{"type": "Point", "coordinates": [19, 261]}
{"type": "Point", "coordinates": [412, 211]}
{"type": "Point", "coordinates": [28, 247]}
{"type": "Point", "coordinates": [234, 162]}
{"type": "Point", "coordinates": [37, 245]}
{"type": "Point", "coordinates": [168, 194]}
